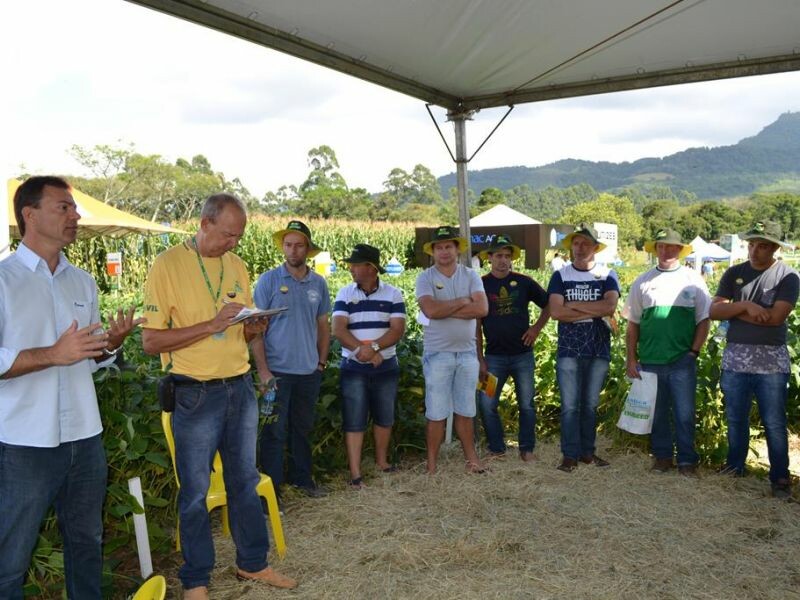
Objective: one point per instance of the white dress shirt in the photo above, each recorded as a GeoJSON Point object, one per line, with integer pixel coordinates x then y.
{"type": "Point", "coordinates": [57, 404]}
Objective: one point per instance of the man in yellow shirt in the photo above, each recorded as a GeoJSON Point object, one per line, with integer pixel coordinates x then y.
{"type": "Point", "coordinates": [193, 292]}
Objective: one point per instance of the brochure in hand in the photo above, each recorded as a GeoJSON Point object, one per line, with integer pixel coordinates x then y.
{"type": "Point", "coordinates": [488, 386]}
{"type": "Point", "coordinates": [254, 313]}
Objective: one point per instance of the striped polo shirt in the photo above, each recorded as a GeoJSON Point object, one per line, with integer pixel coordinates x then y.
{"type": "Point", "coordinates": [368, 315]}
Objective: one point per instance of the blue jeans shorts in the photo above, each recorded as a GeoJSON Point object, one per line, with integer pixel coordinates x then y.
{"type": "Point", "coordinates": [368, 393]}
{"type": "Point", "coordinates": [450, 381]}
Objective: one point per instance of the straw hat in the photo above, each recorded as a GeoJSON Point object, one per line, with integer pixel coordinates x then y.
{"type": "Point", "coordinates": [668, 236]}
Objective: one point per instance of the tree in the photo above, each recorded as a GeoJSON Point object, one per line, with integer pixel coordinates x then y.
{"type": "Point", "coordinates": [608, 209]}
{"type": "Point", "coordinates": [489, 197]}
{"type": "Point", "coordinates": [324, 194]}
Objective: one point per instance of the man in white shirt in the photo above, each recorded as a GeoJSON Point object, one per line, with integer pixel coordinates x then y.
{"type": "Point", "coordinates": [51, 451]}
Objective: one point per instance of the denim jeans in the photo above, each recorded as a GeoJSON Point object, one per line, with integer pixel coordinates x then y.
{"type": "Point", "coordinates": [450, 380]}
{"type": "Point", "coordinates": [580, 381]}
{"type": "Point", "coordinates": [520, 368]}
{"type": "Point", "coordinates": [295, 404]}
{"type": "Point", "coordinates": [209, 417]}
{"type": "Point", "coordinates": [72, 478]}
{"type": "Point", "coordinates": [366, 393]}
{"type": "Point", "coordinates": [770, 391]}
{"type": "Point", "coordinates": [677, 388]}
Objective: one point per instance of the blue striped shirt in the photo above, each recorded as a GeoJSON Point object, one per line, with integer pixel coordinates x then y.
{"type": "Point", "coordinates": [368, 315]}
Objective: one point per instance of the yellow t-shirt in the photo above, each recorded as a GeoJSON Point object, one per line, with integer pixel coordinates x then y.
{"type": "Point", "coordinates": [176, 295]}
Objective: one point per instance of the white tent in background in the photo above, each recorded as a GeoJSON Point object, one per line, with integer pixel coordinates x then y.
{"type": "Point", "coordinates": [706, 250]}
{"type": "Point", "coordinates": [500, 214]}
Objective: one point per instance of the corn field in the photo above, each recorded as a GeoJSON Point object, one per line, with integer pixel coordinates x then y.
{"type": "Point", "coordinates": [135, 444]}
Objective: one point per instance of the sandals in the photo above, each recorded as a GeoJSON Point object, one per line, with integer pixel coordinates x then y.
{"type": "Point", "coordinates": [475, 468]}
{"type": "Point", "coordinates": [356, 484]}
{"type": "Point", "coordinates": [390, 469]}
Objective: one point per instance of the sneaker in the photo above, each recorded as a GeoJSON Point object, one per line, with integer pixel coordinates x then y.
{"type": "Point", "coordinates": [729, 470]}
{"type": "Point", "coordinates": [568, 465]}
{"type": "Point", "coordinates": [313, 490]}
{"type": "Point", "coordinates": [687, 470]}
{"type": "Point", "coordinates": [662, 465]}
{"type": "Point", "coordinates": [589, 459]}
{"type": "Point", "coordinates": [269, 576]}
{"type": "Point", "coordinates": [781, 489]}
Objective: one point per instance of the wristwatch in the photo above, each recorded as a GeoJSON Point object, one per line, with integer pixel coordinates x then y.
{"type": "Point", "coordinates": [375, 346]}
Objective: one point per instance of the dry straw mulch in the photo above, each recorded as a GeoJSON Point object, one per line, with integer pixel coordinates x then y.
{"type": "Point", "coordinates": [530, 531]}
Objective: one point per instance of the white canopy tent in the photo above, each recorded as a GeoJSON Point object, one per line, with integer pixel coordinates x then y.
{"type": "Point", "coordinates": [707, 251]}
{"type": "Point", "coordinates": [465, 55]}
{"type": "Point", "coordinates": [500, 214]}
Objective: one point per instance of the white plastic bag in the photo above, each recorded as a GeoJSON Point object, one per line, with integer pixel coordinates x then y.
{"type": "Point", "coordinates": [637, 414]}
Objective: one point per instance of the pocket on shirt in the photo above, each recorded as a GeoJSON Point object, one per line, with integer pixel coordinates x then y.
{"type": "Point", "coordinates": [82, 312]}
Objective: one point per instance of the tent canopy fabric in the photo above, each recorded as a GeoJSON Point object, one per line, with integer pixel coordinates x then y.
{"type": "Point", "coordinates": [501, 214]}
{"type": "Point", "coordinates": [707, 250]}
{"type": "Point", "coordinates": [474, 54]}
{"type": "Point", "coordinates": [97, 218]}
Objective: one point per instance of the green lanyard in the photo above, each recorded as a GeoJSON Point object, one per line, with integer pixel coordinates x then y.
{"type": "Point", "coordinates": [214, 297]}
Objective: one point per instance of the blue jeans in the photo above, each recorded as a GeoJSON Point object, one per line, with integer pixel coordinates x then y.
{"type": "Point", "coordinates": [209, 417]}
{"type": "Point", "coordinates": [770, 391]}
{"type": "Point", "coordinates": [677, 387]}
{"type": "Point", "coordinates": [520, 368]}
{"type": "Point", "coordinates": [580, 381]}
{"type": "Point", "coordinates": [368, 393]}
{"type": "Point", "coordinates": [71, 477]}
{"type": "Point", "coordinates": [295, 404]}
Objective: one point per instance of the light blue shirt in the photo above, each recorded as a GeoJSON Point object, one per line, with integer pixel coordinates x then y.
{"type": "Point", "coordinates": [291, 339]}
{"type": "Point", "coordinates": [57, 404]}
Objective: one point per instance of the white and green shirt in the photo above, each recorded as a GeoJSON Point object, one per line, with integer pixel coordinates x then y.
{"type": "Point", "coordinates": [667, 306]}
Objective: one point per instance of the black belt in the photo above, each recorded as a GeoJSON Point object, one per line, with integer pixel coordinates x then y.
{"type": "Point", "coordinates": [186, 380]}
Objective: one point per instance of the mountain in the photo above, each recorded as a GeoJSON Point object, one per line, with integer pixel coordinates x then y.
{"type": "Point", "coordinates": [770, 160]}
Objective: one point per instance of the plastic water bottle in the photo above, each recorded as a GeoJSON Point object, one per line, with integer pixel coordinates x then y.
{"type": "Point", "coordinates": [721, 333]}
{"type": "Point", "coordinates": [268, 401]}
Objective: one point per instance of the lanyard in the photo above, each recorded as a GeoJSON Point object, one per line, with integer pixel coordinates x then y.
{"type": "Point", "coordinates": [214, 297]}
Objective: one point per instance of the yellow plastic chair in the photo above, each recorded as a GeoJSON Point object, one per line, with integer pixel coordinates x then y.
{"type": "Point", "coordinates": [217, 497]}
{"type": "Point", "coordinates": [154, 588]}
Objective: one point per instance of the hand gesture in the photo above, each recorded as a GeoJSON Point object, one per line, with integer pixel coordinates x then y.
{"type": "Point", "coordinates": [120, 327]}
{"type": "Point", "coordinates": [757, 312]}
{"type": "Point", "coordinates": [255, 326]}
{"type": "Point", "coordinates": [632, 370]}
{"type": "Point", "coordinates": [223, 319]}
{"type": "Point", "coordinates": [530, 335]}
{"type": "Point", "coordinates": [376, 360]}
{"type": "Point", "coordinates": [79, 344]}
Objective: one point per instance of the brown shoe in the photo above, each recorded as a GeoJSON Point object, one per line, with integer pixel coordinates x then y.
{"type": "Point", "coordinates": [688, 470]}
{"type": "Point", "coordinates": [527, 456]}
{"type": "Point", "coordinates": [196, 593]}
{"type": "Point", "coordinates": [568, 465]}
{"type": "Point", "coordinates": [595, 459]}
{"type": "Point", "coordinates": [662, 465]}
{"type": "Point", "coordinates": [269, 576]}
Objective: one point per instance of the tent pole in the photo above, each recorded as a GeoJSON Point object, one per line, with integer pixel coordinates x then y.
{"type": "Point", "coordinates": [459, 123]}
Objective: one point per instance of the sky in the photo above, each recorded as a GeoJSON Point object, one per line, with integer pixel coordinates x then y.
{"type": "Point", "coordinates": [91, 72]}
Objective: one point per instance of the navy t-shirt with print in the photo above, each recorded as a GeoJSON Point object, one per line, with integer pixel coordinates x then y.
{"type": "Point", "coordinates": [590, 338]}
{"type": "Point", "coordinates": [508, 316]}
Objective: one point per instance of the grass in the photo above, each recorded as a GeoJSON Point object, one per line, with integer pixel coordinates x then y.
{"type": "Point", "coordinates": [531, 531]}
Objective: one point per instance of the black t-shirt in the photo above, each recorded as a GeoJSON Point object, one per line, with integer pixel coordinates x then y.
{"type": "Point", "coordinates": [743, 282]}
{"type": "Point", "coordinates": [508, 316]}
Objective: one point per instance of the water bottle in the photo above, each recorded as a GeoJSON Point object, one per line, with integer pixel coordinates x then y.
{"type": "Point", "coordinates": [268, 399]}
{"type": "Point", "coordinates": [268, 402]}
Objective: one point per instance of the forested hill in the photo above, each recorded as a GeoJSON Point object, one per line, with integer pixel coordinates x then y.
{"type": "Point", "coordinates": [770, 160]}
